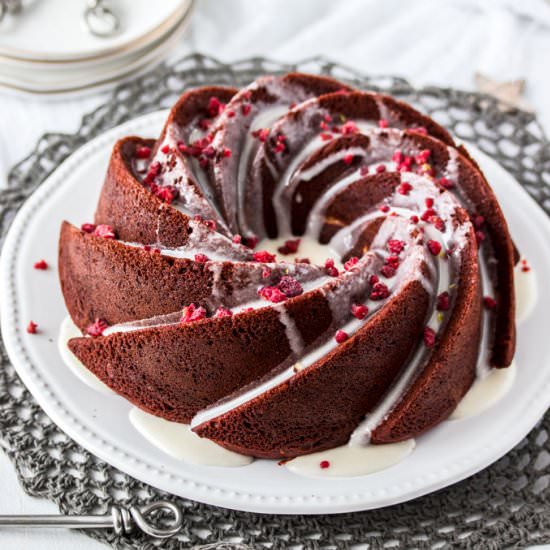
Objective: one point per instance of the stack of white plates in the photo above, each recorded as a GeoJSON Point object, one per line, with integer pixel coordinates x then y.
{"type": "Point", "coordinates": [47, 47]}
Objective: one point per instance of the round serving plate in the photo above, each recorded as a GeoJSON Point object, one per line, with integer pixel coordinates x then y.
{"type": "Point", "coordinates": [54, 78]}
{"type": "Point", "coordinates": [55, 30]}
{"type": "Point", "coordinates": [100, 422]}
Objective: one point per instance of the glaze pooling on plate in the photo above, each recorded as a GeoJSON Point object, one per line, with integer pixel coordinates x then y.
{"type": "Point", "coordinates": [407, 297]}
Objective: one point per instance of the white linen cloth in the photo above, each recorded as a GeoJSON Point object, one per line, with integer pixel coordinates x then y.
{"type": "Point", "coordinates": [441, 42]}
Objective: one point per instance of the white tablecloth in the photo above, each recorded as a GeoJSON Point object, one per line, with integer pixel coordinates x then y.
{"type": "Point", "coordinates": [442, 42]}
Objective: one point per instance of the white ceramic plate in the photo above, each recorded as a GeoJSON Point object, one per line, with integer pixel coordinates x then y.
{"type": "Point", "coordinates": [60, 77]}
{"type": "Point", "coordinates": [449, 453]}
{"type": "Point", "coordinates": [55, 30]}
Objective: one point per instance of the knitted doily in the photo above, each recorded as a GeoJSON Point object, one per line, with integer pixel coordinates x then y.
{"type": "Point", "coordinates": [505, 506]}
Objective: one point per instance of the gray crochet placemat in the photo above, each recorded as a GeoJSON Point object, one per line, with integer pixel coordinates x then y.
{"type": "Point", "coordinates": [505, 506]}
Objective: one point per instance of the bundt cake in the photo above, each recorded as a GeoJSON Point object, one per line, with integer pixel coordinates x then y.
{"type": "Point", "coordinates": [292, 266]}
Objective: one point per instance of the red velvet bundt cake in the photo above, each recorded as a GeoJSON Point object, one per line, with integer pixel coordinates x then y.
{"type": "Point", "coordinates": [292, 266]}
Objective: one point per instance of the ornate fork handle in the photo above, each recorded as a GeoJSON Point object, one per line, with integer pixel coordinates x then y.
{"type": "Point", "coordinates": [122, 520]}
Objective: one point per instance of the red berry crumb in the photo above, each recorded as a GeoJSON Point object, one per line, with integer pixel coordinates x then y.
{"type": "Point", "coordinates": [192, 313]}
{"type": "Point", "coordinates": [348, 159]}
{"type": "Point", "coordinates": [88, 227]}
{"type": "Point", "coordinates": [490, 303]}
{"type": "Point", "coordinates": [429, 337]}
{"type": "Point", "coordinates": [330, 268]}
{"type": "Point", "coordinates": [105, 231]}
{"type": "Point", "coordinates": [341, 336]}
{"type": "Point", "coordinates": [264, 256]}
{"type": "Point", "coordinates": [97, 327]}
{"type": "Point", "coordinates": [223, 312]}
{"type": "Point", "coordinates": [165, 149]}
{"type": "Point", "coordinates": [32, 327]}
{"type": "Point", "coordinates": [434, 247]}
{"type": "Point", "coordinates": [289, 286]}
{"type": "Point", "coordinates": [201, 258]}
{"type": "Point", "coordinates": [404, 188]}
{"type": "Point", "coordinates": [443, 301]}
{"type": "Point", "coordinates": [290, 247]}
{"type": "Point", "coordinates": [41, 264]}
{"type": "Point", "coordinates": [351, 263]}
{"type": "Point", "coordinates": [143, 152]}
{"type": "Point", "coordinates": [379, 291]}
{"type": "Point", "coordinates": [272, 294]}
{"type": "Point", "coordinates": [395, 246]}
{"type": "Point", "coordinates": [324, 464]}
{"type": "Point", "coordinates": [359, 311]}
{"type": "Point", "coordinates": [383, 123]}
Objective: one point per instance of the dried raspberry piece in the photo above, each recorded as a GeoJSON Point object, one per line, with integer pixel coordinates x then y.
{"type": "Point", "coordinates": [272, 294]}
{"type": "Point", "coordinates": [395, 246]}
{"type": "Point", "coordinates": [325, 137]}
{"type": "Point", "coordinates": [290, 247]}
{"type": "Point", "coordinates": [331, 270]}
{"type": "Point", "coordinates": [88, 227]}
{"type": "Point", "coordinates": [324, 464]}
{"type": "Point", "coordinates": [360, 311]}
{"type": "Point", "coordinates": [429, 202]}
{"type": "Point", "coordinates": [341, 336]}
{"type": "Point", "coordinates": [350, 128]}
{"type": "Point", "coordinates": [264, 256]}
{"type": "Point", "coordinates": [348, 159]}
{"type": "Point", "coordinates": [231, 113]}
{"type": "Point", "coordinates": [105, 231]}
{"type": "Point", "coordinates": [438, 223]}
{"type": "Point", "coordinates": [165, 149]}
{"type": "Point", "coordinates": [166, 194]}
{"type": "Point", "coordinates": [289, 286]}
{"type": "Point", "coordinates": [414, 219]}
{"type": "Point", "coordinates": [266, 273]}
{"type": "Point", "coordinates": [143, 152]}
{"type": "Point", "coordinates": [427, 214]}
{"type": "Point", "coordinates": [392, 261]}
{"type": "Point", "coordinates": [445, 183]}
{"type": "Point", "coordinates": [237, 239]}
{"type": "Point", "coordinates": [379, 291]}
{"type": "Point", "coordinates": [32, 327]}
{"type": "Point", "coordinates": [223, 312]}
{"type": "Point", "coordinates": [246, 108]}
{"type": "Point", "coordinates": [423, 156]}
{"type": "Point", "coordinates": [388, 271]}
{"type": "Point", "coordinates": [251, 241]}
{"type": "Point", "coordinates": [478, 221]}
{"type": "Point", "coordinates": [480, 236]}
{"type": "Point", "coordinates": [429, 337]}
{"type": "Point", "coordinates": [201, 258]}
{"type": "Point", "coordinates": [302, 261]}
{"type": "Point", "coordinates": [215, 107]}
{"type": "Point", "coordinates": [373, 279]}
{"type": "Point", "coordinates": [383, 123]}
{"type": "Point", "coordinates": [262, 134]}
{"type": "Point", "coordinates": [490, 303]}
{"type": "Point", "coordinates": [192, 313]}
{"type": "Point", "coordinates": [404, 188]}
{"type": "Point", "coordinates": [397, 157]}
{"type": "Point", "coordinates": [443, 301]}
{"type": "Point", "coordinates": [434, 247]}
{"type": "Point", "coordinates": [384, 208]}
{"type": "Point", "coordinates": [97, 327]}
{"type": "Point", "coordinates": [41, 264]}
{"type": "Point", "coordinates": [351, 263]}
{"type": "Point", "coordinates": [280, 143]}
{"type": "Point", "coordinates": [380, 169]}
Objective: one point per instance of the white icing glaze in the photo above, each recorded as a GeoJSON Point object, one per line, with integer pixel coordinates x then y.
{"type": "Point", "coordinates": [525, 283]}
{"type": "Point", "coordinates": [485, 392]}
{"type": "Point", "coordinates": [291, 330]}
{"type": "Point", "coordinates": [178, 441]}
{"type": "Point", "coordinates": [309, 247]}
{"type": "Point", "coordinates": [69, 330]}
{"type": "Point", "coordinates": [350, 461]}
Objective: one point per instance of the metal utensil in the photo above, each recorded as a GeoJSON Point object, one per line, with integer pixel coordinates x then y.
{"type": "Point", "coordinates": [10, 6]}
{"type": "Point", "coordinates": [122, 520]}
{"type": "Point", "coordinates": [100, 19]}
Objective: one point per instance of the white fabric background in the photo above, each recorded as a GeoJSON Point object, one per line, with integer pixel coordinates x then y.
{"type": "Point", "coordinates": [441, 42]}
